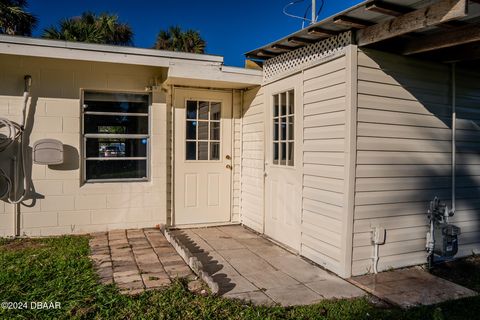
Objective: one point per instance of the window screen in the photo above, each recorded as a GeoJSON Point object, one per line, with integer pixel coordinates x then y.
{"type": "Point", "coordinates": [116, 136]}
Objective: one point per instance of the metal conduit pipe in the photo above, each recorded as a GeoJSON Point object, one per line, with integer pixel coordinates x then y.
{"type": "Point", "coordinates": [454, 128]}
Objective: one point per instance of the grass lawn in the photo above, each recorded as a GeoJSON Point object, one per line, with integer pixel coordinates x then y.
{"type": "Point", "coordinates": [59, 270]}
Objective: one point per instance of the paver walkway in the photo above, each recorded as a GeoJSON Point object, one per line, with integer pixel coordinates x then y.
{"type": "Point", "coordinates": [248, 266]}
{"type": "Point", "coordinates": [411, 287]}
{"type": "Point", "coordinates": [136, 259]}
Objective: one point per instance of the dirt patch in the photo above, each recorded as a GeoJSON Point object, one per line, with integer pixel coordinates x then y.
{"type": "Point", "coordinates": [465, 272]}
{"type": "Point", "coordinates": [20, 244]}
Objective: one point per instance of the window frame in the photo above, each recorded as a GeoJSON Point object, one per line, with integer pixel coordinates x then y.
{"type": "Point", "coordinates": [84, 136]}
{"type": "Point", "coordinates": [196, 140]}
{"type": "Point", "coordinates": [278, 118]}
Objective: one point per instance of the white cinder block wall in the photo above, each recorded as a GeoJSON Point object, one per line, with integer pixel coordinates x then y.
{"type": "Point", "coordinates": [63, 203]}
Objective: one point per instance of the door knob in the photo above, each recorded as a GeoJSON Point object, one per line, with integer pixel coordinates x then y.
{"type": "Point", "coordinates": [228, 157]}
{"type": "Point", "coordinates": [229, 167]}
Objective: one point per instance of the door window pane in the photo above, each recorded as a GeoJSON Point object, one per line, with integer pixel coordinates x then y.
{"type": "Point", "coordinates": [283, 152]}
{"type": "Point", "coordinates": [276, 105]}
{"type": "Point", "coordinates": [202, 151]}
{"type": "Point", "coordinates": [215, 111]}
{"type": "Point", "coordinates": [203, 135]}
{"type": "Point", "coordinates": [283, 103]}
{"type": "Point", "coordinates": [283, 128]}
{"type": "Point", "coordinates": [203, 130]}
{"type": "Point", "coordinates": [191, 150]}
{"type": "Point", "coordinates": [291, 129]}
{"type": "Point", "coordinates": [192, 110]}
{"type": "Point", "coordinates": [191, 133]}
{"type": "Point", "coordinates": [291, 102]}
{"type": "Point", "coordinates": [214, 130]}
{"type": "Point", "coordinates": [290, 154]}
{"type": "Point", "coordinates": [275, 153]}
{"type": "Point", "coordinates": [203, 107]}
{"type": "Point", "coordinates": [214, 151]}
{"type": "Point", "coordinates": [275, 129]}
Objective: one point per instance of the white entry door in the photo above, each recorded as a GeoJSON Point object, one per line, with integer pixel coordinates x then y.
{"type": "Point", "coordinates": [283, 162]}
{"type": "Point", "coordinates": [203, 165]}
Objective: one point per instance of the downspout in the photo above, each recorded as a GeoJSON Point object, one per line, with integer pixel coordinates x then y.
{"type": "Point", "coordinates": [240, 208]}
{"type": "Point", "coordinates": [454, 128]}
{"type": "Point", "coordinates": [172, 141]}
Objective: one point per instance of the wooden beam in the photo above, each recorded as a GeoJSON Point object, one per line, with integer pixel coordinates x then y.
{"type": "Point", "coordinates": [444, 39]}
{"type": "Point", "coordinates": [435, 14]}
{"type": "Point", "coordinates": [352, 22]}
{"type": "Point", "coordinates": [321, 32]}
{"type": "Point", "coordinates": [396, 10]}
{"type": "Point", "coordinates": [301, 41]}
{"type": "Point", "coordinates": [387, 8]}
{"type": "Point", "coordinates": [282, 47]}
{"type": "Point", "coordinates": [465, 52]}
{"type": "Point", "coordinates": [266, 54]}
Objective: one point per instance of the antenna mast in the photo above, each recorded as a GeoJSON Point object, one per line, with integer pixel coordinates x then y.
{"type": "Point", "coordinates": [314, 12]}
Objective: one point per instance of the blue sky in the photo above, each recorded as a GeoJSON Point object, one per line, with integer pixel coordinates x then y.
{"type": "Point", "coordinates": [230, 27]}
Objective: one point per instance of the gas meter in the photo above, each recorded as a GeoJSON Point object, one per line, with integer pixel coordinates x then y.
{"type": "Point", "coordinates": [442, 238]}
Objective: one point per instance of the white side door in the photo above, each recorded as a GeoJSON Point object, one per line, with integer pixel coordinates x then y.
{"type": "Point", "coordinates": [283, 161]}
{"type": "Point", "coordinates": [203, 148]}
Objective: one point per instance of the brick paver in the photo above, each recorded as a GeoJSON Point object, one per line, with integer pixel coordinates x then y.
{"type": "Point", "coordinates": [137, 260]}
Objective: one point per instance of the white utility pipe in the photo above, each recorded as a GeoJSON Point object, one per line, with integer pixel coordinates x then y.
{"type": "Point", "coordinates": [454, 128]}
{"type": "Point", "coordinates": [375, 259]}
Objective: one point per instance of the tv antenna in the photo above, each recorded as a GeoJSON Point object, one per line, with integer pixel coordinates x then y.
{"type": "Point", "coordinates": [312, 6]}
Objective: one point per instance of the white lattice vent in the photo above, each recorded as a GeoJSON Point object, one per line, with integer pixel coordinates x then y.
{"type": "Point", "coordinates": [301, 58]}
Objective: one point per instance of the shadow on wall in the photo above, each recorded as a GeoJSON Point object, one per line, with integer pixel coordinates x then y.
{"type": "Point", "coordinates": [71, 159]}
{"type": "Point", "coordinates": [405, 139]}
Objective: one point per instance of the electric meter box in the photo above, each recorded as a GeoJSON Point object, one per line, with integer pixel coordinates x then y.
{"type": "Point", "coordinates": [446, 240]}
{"type": "Point", "coordinates": [48, 151]}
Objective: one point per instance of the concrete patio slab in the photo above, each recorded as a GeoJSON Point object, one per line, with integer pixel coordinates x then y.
{"type": "Point", "coordinates": [411, 287]}
{"type": "Point", "coordinates": [256, 297]}
{"type": "Point", "coordinates": [294, 295]}
{"type": "Point", "coordinates": [136, 260]}
{"type": "Point", "coordinates": [334, 287]}
{"type": "Point", "coordinates": [249, 267]}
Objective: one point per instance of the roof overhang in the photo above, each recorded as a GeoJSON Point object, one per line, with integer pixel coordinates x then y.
{"type": "Point", "coordinates": [33, 47]}
{"type": "Point", "coordinates": [408, 27]}
{"type": "Point", "coordinates": [214, 77]}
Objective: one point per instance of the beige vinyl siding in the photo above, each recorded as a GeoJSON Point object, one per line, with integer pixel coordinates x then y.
{"type": "Point", "coordinates": [467, 215]}
{"type": "Point", "coordinates": [324, 162]}
{"type": "Point", "coordinates": [252, 172]}
{"type": "Point", "coordinates": [404, 156]}
{"type": "Point", "coordinates": [236, 154]}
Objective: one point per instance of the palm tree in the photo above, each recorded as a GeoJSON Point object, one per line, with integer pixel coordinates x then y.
{"type": "Point", "coordinates": [92, 28]}
{"type": "Point", "coordinates": [174, 39]}
{"type": "Point", "coordinates": [14, 20]}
